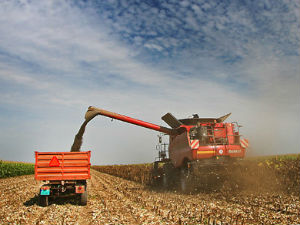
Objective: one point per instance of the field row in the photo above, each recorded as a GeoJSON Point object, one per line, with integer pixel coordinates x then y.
{"type": "Point", "coordinates": [113, 200]}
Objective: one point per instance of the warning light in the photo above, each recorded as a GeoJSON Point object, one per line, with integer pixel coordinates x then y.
{"type": "Point", "coordinates": [54, 161]}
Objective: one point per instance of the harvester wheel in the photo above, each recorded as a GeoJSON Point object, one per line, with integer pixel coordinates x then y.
{"type": "Point", "coordinates": [43, 200]}
{"type": "Point", "coordinates": [185, 185]}
{"type": "Point", "coordinates": [165, 181]}
{"type": "Point", "coordinates": [168, 175]}
{"type": "Point", "coordinates": [83, 198]}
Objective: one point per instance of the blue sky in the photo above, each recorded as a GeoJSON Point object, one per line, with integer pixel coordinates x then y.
{"type": "Point", "coordinates": [143, 59]}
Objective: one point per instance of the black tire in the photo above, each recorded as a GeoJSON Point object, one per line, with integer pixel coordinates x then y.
{"type": "Point", "coordinates": [156, 175]}
{"type": "Point", "coordinates": [43, 200]}
{"type": "Point", "coordinates": [165, 181]}
{"type": "Point", "coordinates": [83, 198]}
{"type": "Point", "coordinates": [185, 184]}
{"type": "Point", "coordinates": [168, 175]}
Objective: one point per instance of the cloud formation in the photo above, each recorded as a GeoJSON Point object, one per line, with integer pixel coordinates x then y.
{"type": "Point", "coordinates": [145, 59]}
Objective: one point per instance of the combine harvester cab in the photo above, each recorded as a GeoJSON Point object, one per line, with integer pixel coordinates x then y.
{"type": "Point", "coordinates": [204, 138]}
{"type": "Point", "coordinates": [65, 173]}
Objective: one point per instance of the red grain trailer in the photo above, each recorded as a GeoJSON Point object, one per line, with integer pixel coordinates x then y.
{"type": "Point", "coordinates": [64, 173]}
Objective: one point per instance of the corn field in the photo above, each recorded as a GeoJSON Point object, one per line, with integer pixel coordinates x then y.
{"type": "Point", "coordinates": [12, 169]}
{"type": "Point", "coordinates": [140, 173]}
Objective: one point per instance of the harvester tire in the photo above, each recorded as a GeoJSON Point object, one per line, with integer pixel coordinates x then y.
{"type": "Point", "coordinates": [83, 198]}
{"type": "Point", "coordinates": [168, 175]}
{"type": "Point", "coordinates": [185, 184]}
{"type": "Point", "coordinates": [165, 181]}
{"type": "Point", "coordinates": [43, 200]}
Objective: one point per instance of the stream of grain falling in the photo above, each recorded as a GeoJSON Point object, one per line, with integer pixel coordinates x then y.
{"type": "Point", "coordinates": [78, 137]}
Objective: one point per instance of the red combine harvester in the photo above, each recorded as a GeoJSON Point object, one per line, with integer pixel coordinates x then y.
{"type": "Point", "coordinates": [64, 172]}
{"type": "Point", "coordinates": [193, 143]}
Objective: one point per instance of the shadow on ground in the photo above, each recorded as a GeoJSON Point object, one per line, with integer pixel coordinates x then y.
{"type": "Point", "coordinates": [61, 200]}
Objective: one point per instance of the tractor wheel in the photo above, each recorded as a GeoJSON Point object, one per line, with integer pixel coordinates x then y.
{"type": "Point", "coordinates": [43, 200]}
{"type": "Point", "coordinates": [83, 198]}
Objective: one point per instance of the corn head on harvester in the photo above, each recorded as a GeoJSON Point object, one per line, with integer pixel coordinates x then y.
{"type": "Point", "coordinates": [195, 144]}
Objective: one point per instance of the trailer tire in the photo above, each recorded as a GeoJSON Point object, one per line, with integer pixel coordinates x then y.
{"type": "Point", "coordinates": [43, 200]}
{"type": "Point", "coordinates": [83, 198]}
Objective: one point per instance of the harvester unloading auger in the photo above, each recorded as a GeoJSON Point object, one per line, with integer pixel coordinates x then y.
{"type": "Point", "coordinates": [193, 143]}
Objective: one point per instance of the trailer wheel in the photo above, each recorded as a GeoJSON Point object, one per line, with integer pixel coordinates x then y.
{"type": "Point", "coordinates": [83, 198]}
{"type": "Point", "coordinates": [43, 200]}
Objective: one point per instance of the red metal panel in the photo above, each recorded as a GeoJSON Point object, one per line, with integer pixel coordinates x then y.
{"type": "Point", "coordinates": [230, 135]}
{"type": "Point", "coordinates": [72, 166]}
{"type": "Point", "coordinates": [221, 150]}
{"type": "Point", "coordinates": [235, 151]}
{"type": "Point", "coordinates": [220, 132]}
{"type": "Point", "coordinates": [219, 125]}
{"type": "Point", "coordinates": [205, 152]}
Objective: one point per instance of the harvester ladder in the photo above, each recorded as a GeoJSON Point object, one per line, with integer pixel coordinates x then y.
{"type": "Point", "coordinates": [211, 134]}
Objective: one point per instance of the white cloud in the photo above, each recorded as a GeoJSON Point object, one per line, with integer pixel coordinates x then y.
{"type": "Point", "coordinates": [184, 3]}
{"type": "Point", "coordinates": [153, 46]}
{"type": "Point", "coordinates": [57, 60]}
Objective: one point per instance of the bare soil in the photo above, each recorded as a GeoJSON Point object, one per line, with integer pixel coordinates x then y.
{"type": "Point", "coordinates": [113, 200]}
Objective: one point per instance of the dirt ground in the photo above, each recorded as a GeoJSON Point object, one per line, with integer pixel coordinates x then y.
{"type": "Point", "coordinates": [113, 200]}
